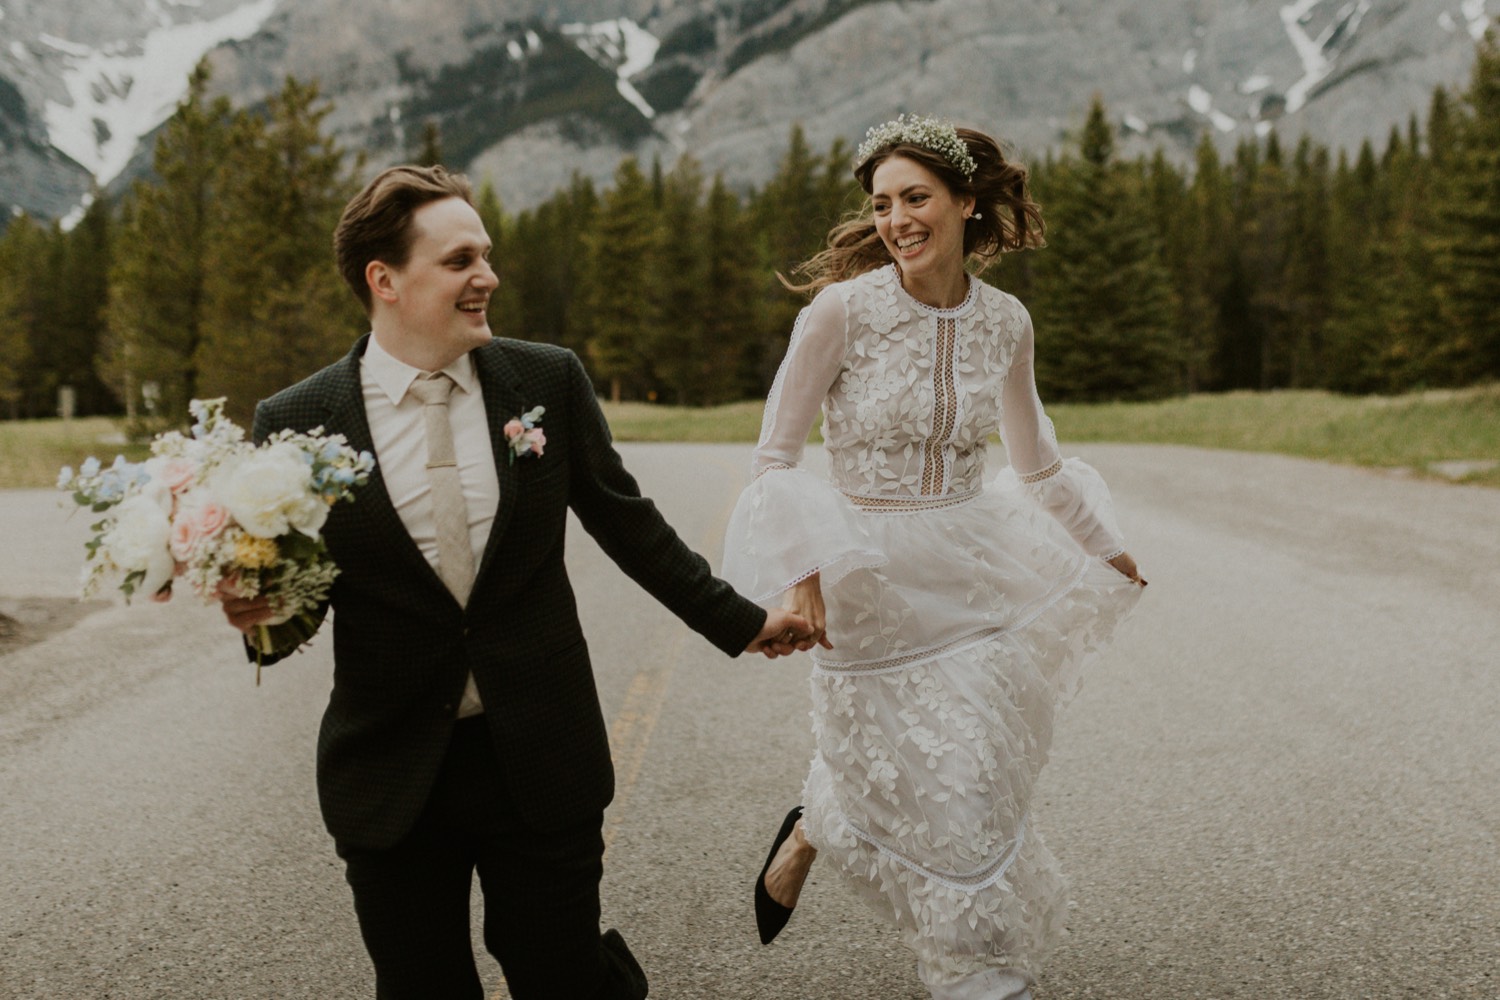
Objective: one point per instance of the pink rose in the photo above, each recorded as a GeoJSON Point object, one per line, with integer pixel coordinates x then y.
{"type": "Point", "coordinates": [212, 516]}
{"type": "Point", "coordinates": [177, 474]}
{"type": "Point", "coordinates": [514, 429]}
{"type": "Point", "coordinates": [186, 533]}
{"type": "Point", "coordinates": [536, 439]}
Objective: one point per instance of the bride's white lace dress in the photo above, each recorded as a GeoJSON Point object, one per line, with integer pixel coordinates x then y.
{"type": "Point", "coordinates": [960, 610]}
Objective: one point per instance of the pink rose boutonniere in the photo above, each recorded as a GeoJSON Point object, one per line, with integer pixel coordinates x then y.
{"type": "Point", "coordinates": [523, 435]}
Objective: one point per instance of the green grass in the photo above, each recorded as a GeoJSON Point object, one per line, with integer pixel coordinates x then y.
{"type": "Point", "coordinates": [1398, 432]}
{"type": "Point", "coordinates": [648, 422]}
{"type": "Point", "coordinates": [31, 451]}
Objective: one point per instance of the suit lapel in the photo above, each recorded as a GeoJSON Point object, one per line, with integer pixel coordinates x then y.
{"type": "Point", "coordinates": [346, 415]}
{"type": "Point", "coordinates": [501, 385]}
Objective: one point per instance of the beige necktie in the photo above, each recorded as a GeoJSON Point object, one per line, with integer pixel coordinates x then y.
{"type": "Point", "coordinates": [449, 509]}
{"type": "Point", "coordinates": [450, 512]}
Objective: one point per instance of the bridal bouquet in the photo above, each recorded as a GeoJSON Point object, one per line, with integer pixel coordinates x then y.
{"type": "Point", "coordinates": [222, 515]}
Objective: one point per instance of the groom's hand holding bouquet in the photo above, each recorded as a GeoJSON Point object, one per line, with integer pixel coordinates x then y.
{"type": "Point", "coordinates": [235, 522]}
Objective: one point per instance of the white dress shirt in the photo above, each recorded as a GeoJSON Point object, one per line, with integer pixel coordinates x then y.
{"type": "Point", "coordinates": [399, 434]}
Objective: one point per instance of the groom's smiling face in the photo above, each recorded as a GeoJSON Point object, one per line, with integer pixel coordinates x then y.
{"type": "Point", "coordinates": [441, 293]}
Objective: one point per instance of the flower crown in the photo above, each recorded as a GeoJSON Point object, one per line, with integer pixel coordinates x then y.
{"type": "Point", "coordinates": [933, 134]}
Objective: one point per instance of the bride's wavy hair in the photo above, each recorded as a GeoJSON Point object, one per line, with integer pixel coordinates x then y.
{"type": "Point", "coordinates": [1005, 219]}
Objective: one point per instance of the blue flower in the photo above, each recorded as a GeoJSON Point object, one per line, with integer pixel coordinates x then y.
{"type": "Point", "coordinates": [64, 477]}
{"type": "Point", "coordinates": [90, 468]}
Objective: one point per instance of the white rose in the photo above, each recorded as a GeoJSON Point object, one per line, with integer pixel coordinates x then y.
{"type": "Point", "coordinates": [139, 541]}
{"type": "Point", "coordinates": [156, 491]}
{"type": "Point", "coordinates": [269, 493]}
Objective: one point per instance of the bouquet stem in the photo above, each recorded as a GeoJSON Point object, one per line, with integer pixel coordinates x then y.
{"type": "Point", "coordinates": [262, 647]}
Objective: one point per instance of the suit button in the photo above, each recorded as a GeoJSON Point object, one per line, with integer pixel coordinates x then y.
{"type": "Point", "coordinates": [466, 631]}
{"type": "Point", "coordinates": [447, 708]}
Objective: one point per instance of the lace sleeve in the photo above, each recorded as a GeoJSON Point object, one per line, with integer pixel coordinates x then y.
{"type": "Point", "coordinates": [812, 362]}
{"type": "Point", "coordinates": [1068, 489]}
{"type": "Point", "coordinates": [792, 524]}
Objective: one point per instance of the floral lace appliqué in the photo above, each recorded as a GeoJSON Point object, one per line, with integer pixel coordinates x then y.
{"type": "Point", "coordinates": [920, 389]}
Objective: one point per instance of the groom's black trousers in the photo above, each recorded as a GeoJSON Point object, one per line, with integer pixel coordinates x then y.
{"type": "Point", "coordinates": [541, 895]}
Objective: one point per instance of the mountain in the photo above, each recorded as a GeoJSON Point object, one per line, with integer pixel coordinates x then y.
{"type": "Point", "coordinates": [530, 92]}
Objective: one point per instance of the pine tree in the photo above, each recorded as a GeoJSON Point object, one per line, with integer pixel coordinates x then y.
{"type": "Point", "coordinates": [79, 314]}
{"type": "Point", "coordinates": [1269, 227]}
{"type": "Point", "coordinates": [1467, 242]}
{"type": "Point", "coordinates": [790, 217]}
{"type": "Point", "coordinates": [838, 192]}
{"type": "Point", "coordinates": [503, 311]}
{"type": "Point", "coordinates": [676, 343]}
{"type": "Point", "coordinates": [731, 321]}
{"type": "Point", "coordinates": [275, 309]}
{"type": "Point", "coordinates": [34, 257]}
{"type": "Point", "coordinates": [1214, 268]}
{"type": "Point", "coordinates": [546, 266]}
{"type": "Point", "coordinates": [619, 299]}
{"type": "Point", "coordinates": [156, 285]}
{"type": "Point", "coordinates": [1308, 264]}
{"type": "Point", "coordinates": [532, 285]}
{"type": "Point", "coordinates": [1412, 351]}
{"type": "Point", "coordinates": [1241, 335]}
{"type": "Point", "coordinates": [1356, 329]}
{"type": "Point", "coordinates": [16, 312]}
{"type": "Point", "coordinates": [430, 153]}
{"type": "Point", "coordinates": [1183, 255]}
{"type": "Point", "coordinates": [1104, 328]}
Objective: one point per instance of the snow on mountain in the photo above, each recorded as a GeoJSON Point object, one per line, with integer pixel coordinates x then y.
{"type": "Point", "coordinates": [120, 92]}
{"type": "Point", "coordinates": [531, 91]}
{"type": "Point", "coordinates": [1317, 52]}
{"type": "Point", "coordinates": [1475, 18]}
{"type": "Point", "coordinates": [620, 45]}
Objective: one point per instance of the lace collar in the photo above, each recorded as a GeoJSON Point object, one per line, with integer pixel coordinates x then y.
{"type": "Point", "coordinates": [892, 274]}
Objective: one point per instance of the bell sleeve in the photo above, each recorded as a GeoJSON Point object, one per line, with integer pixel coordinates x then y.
{"type": "Point", "coordinates": [790, 523]}
{"type": "Point", "coordinates": [1068, 489]}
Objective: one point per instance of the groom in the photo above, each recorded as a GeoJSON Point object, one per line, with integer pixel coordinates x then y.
{"type": "Point", "coordinates": [464, 732]}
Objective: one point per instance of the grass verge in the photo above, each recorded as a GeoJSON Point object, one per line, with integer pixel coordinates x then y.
{"type": "Point", "coordinates": [1420, 432]}
{"type": "Point", "coordinates": [31, 451]}
{"type": "Point", "coordinates": [1414, 432]}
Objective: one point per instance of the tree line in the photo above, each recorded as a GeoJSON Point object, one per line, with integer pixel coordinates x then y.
{"type": "Point", "coordinates": [1376, 272]}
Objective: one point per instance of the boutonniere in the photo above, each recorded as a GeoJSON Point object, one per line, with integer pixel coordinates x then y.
{"type": "Point", "coordinates": [523, 435]}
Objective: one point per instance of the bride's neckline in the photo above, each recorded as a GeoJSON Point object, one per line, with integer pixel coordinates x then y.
{"type": "Point", "coordinates": [931, 310]}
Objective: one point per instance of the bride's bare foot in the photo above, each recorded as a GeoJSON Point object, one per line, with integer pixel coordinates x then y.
{"type": "Point", "coordinates": [789, 868]}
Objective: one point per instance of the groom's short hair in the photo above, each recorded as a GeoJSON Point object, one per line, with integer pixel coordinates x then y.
{"type": "Point", "coordinates": [376, 224]}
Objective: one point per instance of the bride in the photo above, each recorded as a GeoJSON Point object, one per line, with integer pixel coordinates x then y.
{"type": "Point", "coordinates": [951, 615]}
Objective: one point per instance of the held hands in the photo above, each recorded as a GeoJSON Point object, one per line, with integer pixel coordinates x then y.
{"type": "Point", "coordinates": [778, 636]}
{"type": "Point", "coordinates": [1127, 566]}
{"type": "Point", "coordinates": [798, 625]}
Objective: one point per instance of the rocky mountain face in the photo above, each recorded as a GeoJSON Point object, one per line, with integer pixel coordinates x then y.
{"type": "Point", "coordinates": [530, 91]}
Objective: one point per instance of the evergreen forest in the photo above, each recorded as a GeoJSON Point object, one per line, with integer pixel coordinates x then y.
{"type": "Point", "coordinates": [1282, 266]}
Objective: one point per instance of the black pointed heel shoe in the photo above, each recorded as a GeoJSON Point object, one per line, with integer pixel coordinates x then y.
{"type": "Point", "coordinates": [771, 916]}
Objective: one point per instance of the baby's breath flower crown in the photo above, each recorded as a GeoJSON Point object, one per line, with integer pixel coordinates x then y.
{"type": "Point", "coordinates": [919, 130]}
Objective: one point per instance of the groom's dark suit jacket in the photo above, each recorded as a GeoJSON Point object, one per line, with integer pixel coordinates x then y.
{"type": "Point", "coordinates": [403, 646]}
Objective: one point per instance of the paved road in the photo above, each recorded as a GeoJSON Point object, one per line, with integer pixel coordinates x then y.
{"type": "Point", "coordinates": [1286, 782]}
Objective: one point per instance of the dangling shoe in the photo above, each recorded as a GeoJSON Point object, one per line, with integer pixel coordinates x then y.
{"type": "Point", "coordinates": [771, 916]}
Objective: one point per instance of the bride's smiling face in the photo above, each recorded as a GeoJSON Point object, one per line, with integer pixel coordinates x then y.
{"type": "Point", "coordinates": [919, 220]}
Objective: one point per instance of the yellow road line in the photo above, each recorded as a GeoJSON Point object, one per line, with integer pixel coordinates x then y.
{"type": "Point", "coordinates": [630, 732]}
